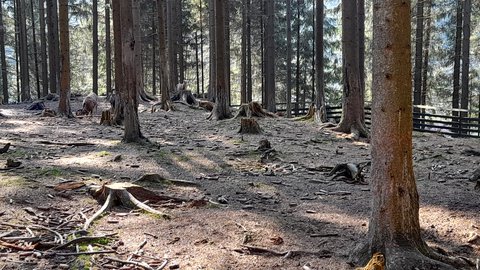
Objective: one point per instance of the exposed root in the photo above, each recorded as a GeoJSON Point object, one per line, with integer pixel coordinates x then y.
{"type": "Point", "coordinates": [356, 130]}
{"type": "Point", "coordinates": [207, 105]}
{"type": "Point", "coordinates": [349, 172]}
{"type": "Point", "coordinates": [313, 114]}
{"type": "Point", "coordinates": [5, 148]}
{"type": "Point", "coordinates": [249, 126]}
{"type": "Point", "coordinates": [166, 105]}
{"type": "Point", "coordinates": [126, 194]}
{"type": "Point", "coordinates": [253, 109]}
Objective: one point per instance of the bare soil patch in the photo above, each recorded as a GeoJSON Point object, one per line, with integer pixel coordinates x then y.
{"type": "Point", "coordinates": [282, 201]}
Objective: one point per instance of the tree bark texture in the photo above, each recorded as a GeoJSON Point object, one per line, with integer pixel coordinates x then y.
{"type": "Point", "coordinates": [352, 120]}
{"type": "Point", "coordinates": [52, 47]}
{"type": "Point", "coordinates": [43, 47]}
{"type": "Point", "coordinates": [64, 100]}
{"type": "Point", "coordinates": [213, 54]}
{"type": "Point", "coordinates": [35, 51]}
{"type": "Point", "coordinates": [108, 49]}
{"type": "Point", "coordinates": [243, 72]}
{"type": "Point", "coordinates": [321, 114]}
{"type": "Point", "coordinates": [270, 104]}
{"type": "Point", "coordinates": [24, 69]}
{"type": "Point", "coordinates": [464, 101]}
{"type": "Point", "coordinates": [95, 47]}
{"type": "Point", "coordinates": [3, 58]}
{"type": "Point", "coordinates": [457, 58]}
{"type": "Point", "coordinates": [162, 49]}
{"type": "Point", "coordinates": [289, 59]}
{"type": "Point", "coordinates": [417, 80]}
{"type": "Point", "coordinates": [119, 108]}
{"type": "Point", "coordinates": [221, 110]}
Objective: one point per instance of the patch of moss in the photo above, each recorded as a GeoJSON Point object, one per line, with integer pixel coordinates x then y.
{"type": "Point", "coordinates": [103, 153]}
{"type": "Point", "coordinates": [13, 181]}
{"type": "Point", "coordinates": [182, 158]}
{"type": "Point", "coordinates": [82, 262]}
{"type": "Point", "coordinates": [51, 172]}
{"type": "Point", "coordinates": [16, 154]}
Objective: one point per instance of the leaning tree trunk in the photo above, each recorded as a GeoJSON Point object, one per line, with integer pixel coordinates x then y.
{"type": "Point", "coordinates": [352, 120]}
{"type": "Point", "coordinates": [64, 101]}
{"type": "Point", "coordinates": [467, 8]}
{"type": "Point", "coordinates": [3, 58]}
{"type": "Point", "coordinates": [221, 110]}
{"type": "Point", "coordinates": [43, 47]}
{"type": "Point", "coordinates": [394, 228]}
{"type": "Point", "coordinates": [129, 94]}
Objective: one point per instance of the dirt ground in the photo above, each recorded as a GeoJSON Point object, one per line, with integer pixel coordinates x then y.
{"type": "Point", "coordinates": [285, 203]}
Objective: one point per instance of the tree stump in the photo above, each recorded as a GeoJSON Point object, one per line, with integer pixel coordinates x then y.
{"type": "Point", "coordinates": [249, 126]}
{"type": "Point", "coordinates": [207, 105]}
{"type": "Point", "coordinates": [107, 118]}
{"type": "Point", "coordinates": [48, 113]}
{"type": "Point", "coordinates": [253, 109]}
{"type": "Point", "coordinates": [127, 194]}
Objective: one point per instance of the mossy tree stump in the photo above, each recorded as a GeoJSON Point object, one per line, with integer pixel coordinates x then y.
{"type": "Point", "coordinates": [249, 126]}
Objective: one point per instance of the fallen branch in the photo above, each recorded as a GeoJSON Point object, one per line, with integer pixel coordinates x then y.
{"type": "Point", "coordinates": [67, 144]}
{"type": "Point", "coordinates": [85, 253]}
{"type": "Point", "coordinates": [5, 148]}
{"type": "Point", "coordinates": [287, 254]}
{"type": "Point", "coordinates": [84, 239]}
{"type": "Point", "coordinates": [143, 265]}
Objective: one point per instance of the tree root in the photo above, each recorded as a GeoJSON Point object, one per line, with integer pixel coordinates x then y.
{"type": "Point", "coordinates": [164, 105]}
{"type": "Point", "coordinates": [125, 194]}
{"type": "Point", "coordinates": [355, 129]}
{"type": "Point", "coordinates": [253, 109]}
{"type": "Point", "coordinates": [349, 172]}
{"type": "Point", "coordinates": [285, 254]}
{"type": "Point", "coordinates": [319, 116]}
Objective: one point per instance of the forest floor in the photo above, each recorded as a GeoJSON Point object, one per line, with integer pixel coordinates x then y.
{"type": "Point", "coordinates": [285, 203]}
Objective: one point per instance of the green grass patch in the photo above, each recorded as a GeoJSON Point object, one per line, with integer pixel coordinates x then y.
{"type": "Point", "coordinates": [103, 154]}
{"type": "Point", "coordinates": [13, 181]}
{"type": "Point", "coordinates": [82, 262]}
{"type": "Point", "coordinates": [51, 172]}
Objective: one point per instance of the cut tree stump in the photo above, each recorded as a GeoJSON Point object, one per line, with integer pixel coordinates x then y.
{"type": "Point", "coordinates": [127, 194]}
{"type": "Point", "coordinates": [107, 118]}
{"type": "Point", "coordinates": [207, 105]}
{"type": "Point", "coordinates": [253, 109]}
{"type": "Point", "coordinates": [48, 113]}
{"type": "Point", "coordinates": [249, 126]}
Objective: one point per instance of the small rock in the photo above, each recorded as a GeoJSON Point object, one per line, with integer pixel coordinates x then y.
{"type": "Point", "coordinates": [117, 158]}
{"type": "Point", "coordinates": [222, 200]}
{"type": "Point", "coordinates": [292, 204]}
{"type": "Point", "coordinates": [63, 266]}
{"type": "Point", "coordinates": [311, 211]}
{"type": "Point", "coordinates": [174, 265]}
{"type": "Point", "coordinates": [247, 207]}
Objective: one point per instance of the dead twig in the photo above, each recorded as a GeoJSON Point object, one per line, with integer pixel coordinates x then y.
{"type": "Point", "coordinates": [143, 265]}
{"type": "Point", "coordinates": [287, 254]}
{"type": "Point", "coordinates": [84, 239]}
{"type": "Point", "coordinates": [85, 253]}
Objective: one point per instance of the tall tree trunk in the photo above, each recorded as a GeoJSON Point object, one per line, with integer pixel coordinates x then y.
{"type": "Point", "coordinates": [24, 69]}
{"type": "Point", "coordinates": [3, 58]}
{"type": "Point", "coordinates": [108, 48]}
{"type": "Point", "coordinates": [35, 51]}
{"type": "Point", "coordinates": [297, 79]}
{"type": "Point", "coordinates": [262, 50]}
{"type": "Point", "coordinates": [197, 63]}
{"type": "Point", "coordinates": [17, 48]}
{"type": "Point", "coordinates": [43, 47]}
{"type": "Point", "coordinates": [129, 93]}
{"type": "Point", "coordinates": [467, 10]}
{"type": "Point", "coordinates": [164, 57]}
{"type": "Point", "coordinates": [243, 72]}
{"type": "Point", "coordinates": [211, 29]}
{"type": "Point", "coordinates": [137, 31]}
{"type": "Point", "coordinates": [221, 110]}
{"type": "Point", "coordinates": [457, 58]}
{"type": "Point", "coordinates": [394, 227]}
{"type": "Point", "coordinates": [289, 59]}
{"type": "Point", "coordinates": [201, 48]}
{"type": "Point", "coordinates": [361, 48]}
{"type": "Point", "coordinates": [426, 50]}
{"type": "Point", "coordinates": [119, 106]}
{"type": "Point", "coordinates": [95, 47]}
{"type": "Point", "coordinates": [417, 80]}
{"type": "Point", "coordinates": [179, 38]}
{"type": "Point", "coordinates": [171, 43]}
{"type": "Point", "coordinates": [57, 43]}
{"type": "Point", "coordinates": [154, 54]}
{"type": "Point", "coordinates": [352, 120]}
{"type": "Point", "coordinates": [321, 114]}
{"type": "Point", "coordinates": [64, 101]}
{"type": "Point", "coordinates": [249, 54]}
{"type": "Point", "coordinates": [52, 45]}
{"type": "Point", "coordinates": [227, 51]}
{"type": "Point", "coordinates": [270, 104]}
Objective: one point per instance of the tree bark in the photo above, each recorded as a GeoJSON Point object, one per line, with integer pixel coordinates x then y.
{"type": "Point", "coordinates": [426, 52]}
{"type": "Point", "coordinates": [129, 93]}
{"type": "Point", "coordinates": [3, 58]}
{"type": "Point", "coordinates": [43, 47]}
{"type": "Point", "coordinates": [179, 39]}
{"type": "Point", "coordinates": [173, 77]}
{"type": "Point", "coordinates": [213, 54]}
{"type": "Point", "coordinates": [361, 48]}
{"type": "Point", "coordinates": [394, 228]}
{"type": "Point", "coordinates": [137, 30]}
{"type": "Point", "coordinates": [457, 58]}
{"type": "Point", "coordinates": [201, 47]}
{"type": "Point", "coordinates": [270, 104]}
{"type": "Point", "coordinates": [35, 51]}
{"type": "Point", "coordinates": [163, 56]}
{"type": "Point", "coordinates": [320, 114]}
{"type": "Point", "coordinates": [64, 101]}
{"type": "Point", "coordinates": [52, 45]}
{"type": "Point", "coordinates": [289, 59]}
{"type": "Point", "coordinates": [249, 54]}
{"type": "Point", "coordinates": [227, 51]}
{"type": "Point", "coordinates": [108, 49]}
{"type": "Point", "coordinates": [467, 10]}
{"type": "Point", "coordinates": [24, 69]}
{"type": "Point", "coordinates": [417, 80]}
{"type": "Point", "coordinates": [352, 120]}
{"type": "Point", "coordinates": [95, 47]}
{"type": "Point", "coordinates": [221, 110]}
{"type": "Point", "coordinates": [154, 54]}
{"type": "Point", "coordinates": [243, 72]}
{"type": "Point", "coordinates": [297, 76]}
{"type": "Point", "coordinates": [119, 108]}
